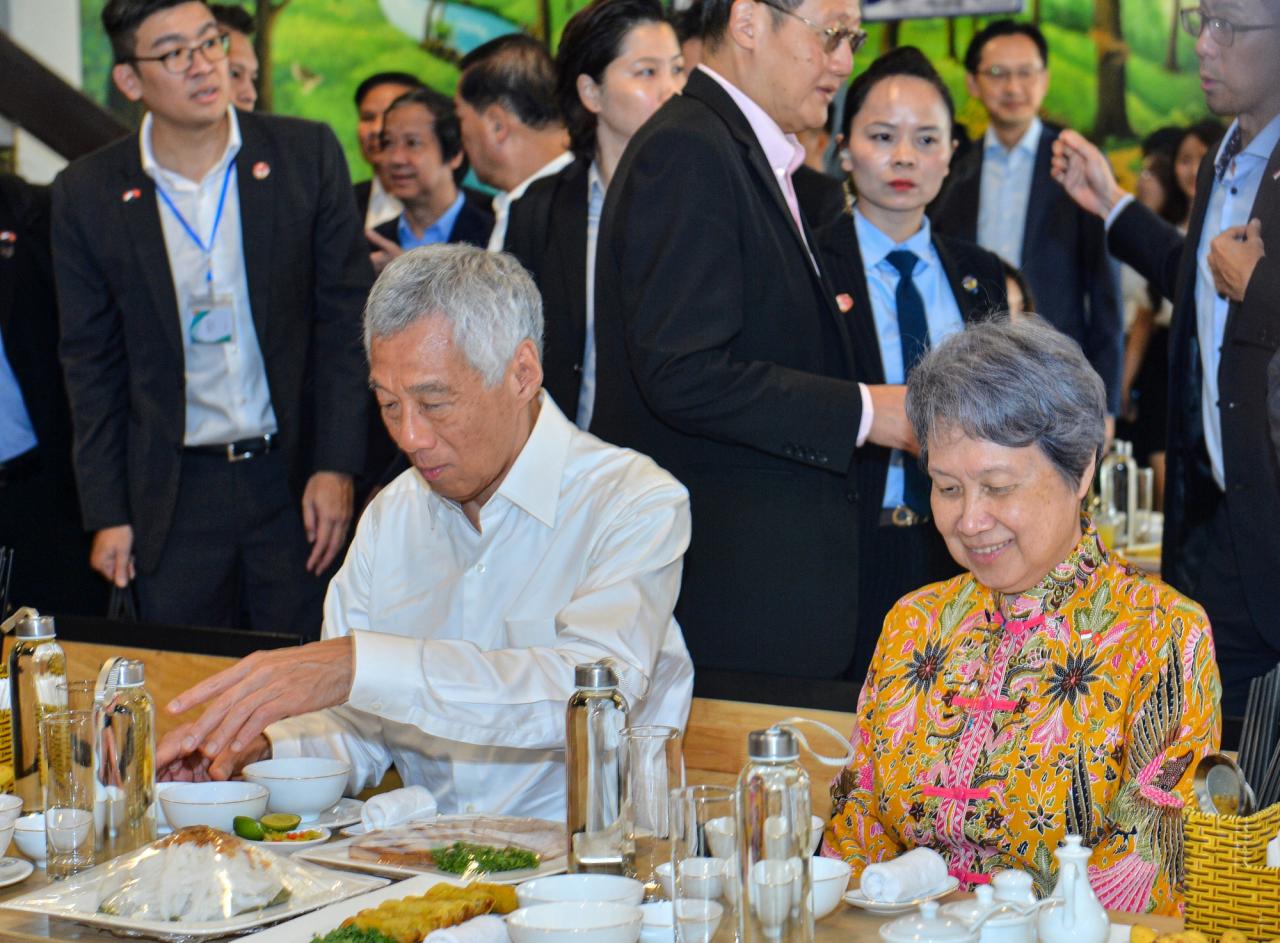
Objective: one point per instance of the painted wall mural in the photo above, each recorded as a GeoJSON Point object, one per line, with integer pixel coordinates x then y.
{"type": "Point", "coordinates": [1120, 68]}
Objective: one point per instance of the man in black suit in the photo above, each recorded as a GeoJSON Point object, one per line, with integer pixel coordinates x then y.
{"type": "Point", "coordinates": [1001, 196]}
{"type": "Point", "coordinates": [1222, 496]}
{"type": "Point", "coordinates": [210, 337]}
{"type": "Point", "coordinates": [722, 353]}
{"type": "Point", "coordinates": [39, 518]}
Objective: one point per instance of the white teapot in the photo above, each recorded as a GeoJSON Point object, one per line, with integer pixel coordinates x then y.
{"type": "Point", "coordinates": [1072, 914]}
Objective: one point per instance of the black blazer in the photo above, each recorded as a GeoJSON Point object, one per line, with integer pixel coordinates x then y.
{"type": "Point", "coordinates": [1252, 337]}
{"type": "Point", "coordinates": [977, 282]}
{"type": "Point", "coordinates": [721, 353]}
{"type": "Point", "coordinates": [1064, 257]}
{"type": "Point", "coordinates": [821, 197]}
{"type": "Point", "coordinates": [29, 317]}
{"type": "Point", "coordinates": [308, 271]}
{"type": "Point", "coordinates": [363, 191]}
{"type": "Point", "coordinates": [473, 225]}
{"type": "Point", "coordinates": [547, 232]}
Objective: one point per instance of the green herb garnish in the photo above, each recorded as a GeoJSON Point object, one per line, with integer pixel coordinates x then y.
{"type": "Point", "coordinates": [458, 857]}
{"type": "Point", "coordinates": [353, 935]}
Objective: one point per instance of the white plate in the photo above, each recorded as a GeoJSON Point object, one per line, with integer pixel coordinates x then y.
{"type": "Point", "coordinates": [13, 870]}
{"type": "Point", "coordinates": [76, 906]}
{"type": "Point", "coordinates": [336, 854]}
{"type": "Point", "coordinates": [289, 847]}
{"type": "Point", "coordinates": [346, 812]}
{"type": "Point", "coordinates": [319, 922]}
{"type": "Point", "coordinates": [886, 908]}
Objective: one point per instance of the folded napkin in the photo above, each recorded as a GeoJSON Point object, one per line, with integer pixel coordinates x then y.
{"type": "Point", "coordinates": [919, 871]}
{"type": "Point", "coordinates": [486, 929]}
{"type": "Point", "coordinates": [413, 803]}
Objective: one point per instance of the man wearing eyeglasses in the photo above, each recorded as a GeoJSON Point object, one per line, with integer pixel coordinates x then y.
{"type": "Point", "coordinates": [210, 274]}
{"type": "Point", "coordinates": [724, 353]}
{"type": "Point", "coordinates": [1222, 497]}
{"type": "Point", "coordinates": [1000, 195]}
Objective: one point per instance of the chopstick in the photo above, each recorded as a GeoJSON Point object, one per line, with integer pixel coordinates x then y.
{"type": "Point", "coordinates": [6, 575]}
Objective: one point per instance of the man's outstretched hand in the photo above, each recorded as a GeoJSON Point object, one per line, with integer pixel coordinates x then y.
{"type": "Point", "coordinates": [244, 699]}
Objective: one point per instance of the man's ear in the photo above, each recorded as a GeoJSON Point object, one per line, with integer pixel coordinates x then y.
{"type": "Point", "coordinates": [126, 77]}
{"type": "Point", "coordinates": [497, 122]}
{"type": "Point", "coordinates": [745, 22]}
{"type": "Point", "coordinates": [971, 84]}
{"type": "Point", "coordinates": [526, 371]}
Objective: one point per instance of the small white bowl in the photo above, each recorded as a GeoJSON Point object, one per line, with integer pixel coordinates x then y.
{"type": "Point", "coordinates": [28, 832]}
{"type": "Point", "coordinates": [610, 888]}
{"type": "Point", "coordinates": [6, 835]}
{"type": "Point", "coordinates": [701, 920]}
{"type": "Point", "coordinates": [722, 835]}
{"type": "Point", "coordinates": [212, 804]}
{"type": "Point", "coordinates": [289, 847]}
{"type": "Point", "coordinates": [303, 785]}
{"type": "Point", "coordinates": [817, 825]}
{"type": "Point", "coordinates": [829, 879]}
{"type": "Point", "coordinates": [577, 921]}
{"type": "Point", "coordinates": [10, 808]}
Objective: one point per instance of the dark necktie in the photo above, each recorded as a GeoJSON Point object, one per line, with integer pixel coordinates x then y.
{"type": "Point", "coordinates": [913, 329]}
{"type": "Point", "coordinates": [1234, 143]}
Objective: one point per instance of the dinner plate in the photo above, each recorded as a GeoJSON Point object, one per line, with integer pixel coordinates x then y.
{"type": "Point", "coordinates": [79, 903]}
{"type": "Point", "coordinates": [289, 847]}
{"type": "Point", "coordinates": [13, 870]}
{"type": "Point", "coordinates": [307, 927]}
{"type": "Point", "coordinates": [545, 837]}
{"type": "Point", "coordinates": [886, 908]}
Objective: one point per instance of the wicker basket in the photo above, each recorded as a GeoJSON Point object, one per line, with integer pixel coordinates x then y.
{"type": "Point", "coordinates": [1229, 886]}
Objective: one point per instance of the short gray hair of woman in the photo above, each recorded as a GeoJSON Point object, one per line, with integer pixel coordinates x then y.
{"type": "Point", "coordinates": [1015, 383]}
{"type": "Point", "coordinates": [490, 302]}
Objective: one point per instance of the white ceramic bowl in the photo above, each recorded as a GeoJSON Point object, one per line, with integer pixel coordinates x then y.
{"type": "Point", "coordinates": [611, 888]}
{"type": "Point", "coordinates": [576, 921]}
{"type": "Point", "coordinates": [303, 785]}
{"type": "Point", "coordinates": [701, 920]}
{"type": "Point", "coordinates": [162, 823]}
{"type": "Point", "coordinates": [212, 804]}
{"type": "Point", "coordinates": [722, 832]}
{"type": "Point", "coordinates": [817, 825]}
{"type": "Point", "coordinates": [10, 808]}
{"type": "Point", "coordinates": [28, 832]}
{"type": "Point", "coordinates": [829, 879]}
{"type": "Point", "coordinates": [6, 835]}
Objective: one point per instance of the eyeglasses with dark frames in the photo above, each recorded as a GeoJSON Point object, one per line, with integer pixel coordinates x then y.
{"type": "Point", "coordinates": [832, 36]}
{"type": "Point", "coordinates": [1223, 32]}
{"type": "Point", "coordinates": [178, 61]}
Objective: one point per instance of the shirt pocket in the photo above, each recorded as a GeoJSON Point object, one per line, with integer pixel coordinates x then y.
{"type": "Point", "coordinates": [531, 633]}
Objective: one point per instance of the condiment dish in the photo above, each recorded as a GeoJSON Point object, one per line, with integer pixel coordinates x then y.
{"type": "Point", "coordinates": [829, 879]}
{"type": "Point", "coordinates": [28, 832]}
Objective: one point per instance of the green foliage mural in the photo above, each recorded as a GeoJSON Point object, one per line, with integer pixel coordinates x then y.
{"type": "Point", "coordinates": [319, 50]}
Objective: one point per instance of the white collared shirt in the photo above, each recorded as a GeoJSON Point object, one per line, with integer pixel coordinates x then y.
{"type": "Point", "coordinates": [502, 202]}
{"type": "Point", "coordinates": [382, 205]}
{"type": "Point", "coordinates": [227, 397]}
{"type": "Point", "coordinates": [466, 640]}
{"type": "Point", "coordinates": [1005, 192]}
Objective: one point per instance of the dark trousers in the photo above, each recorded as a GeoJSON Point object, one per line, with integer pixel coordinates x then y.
{"type": "Point", "coordinates": [1243, 652]}
{"type": "Point", "coordinates": [893, 561]}
{"type": "Point", "coordinates": [40, 522]}
{"type": "Point", "coordinates": [236, 552]}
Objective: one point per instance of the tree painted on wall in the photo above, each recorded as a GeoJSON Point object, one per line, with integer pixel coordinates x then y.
{"type": "Point", "coordinates": [264, 20]}
{"type": "Point", "coordinates": [1113, 52]}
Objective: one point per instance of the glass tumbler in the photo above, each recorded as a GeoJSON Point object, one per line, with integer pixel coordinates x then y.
{"type": "Point", "coordinates": [67, 740]}
{"type": "Point", "coordinates": [652, 765]}
{"type": "Point", "coordinates": [704, 864]}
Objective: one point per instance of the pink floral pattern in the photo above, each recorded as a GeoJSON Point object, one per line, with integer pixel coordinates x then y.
{"type": "Point", "coordinates": [991, 726]}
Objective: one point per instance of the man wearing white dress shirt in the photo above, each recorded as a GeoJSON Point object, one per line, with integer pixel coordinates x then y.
{"type": "Point", "coordinates": [516, 548]}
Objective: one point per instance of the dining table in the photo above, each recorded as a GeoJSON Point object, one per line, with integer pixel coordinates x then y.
{"type": "Point", "coordinates": [848, 924]}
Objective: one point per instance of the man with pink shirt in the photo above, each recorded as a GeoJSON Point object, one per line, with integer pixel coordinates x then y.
{"type": "Point", "coordinates": [724, 353]}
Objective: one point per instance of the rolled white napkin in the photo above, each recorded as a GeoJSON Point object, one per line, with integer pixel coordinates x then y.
{"type": "Point", "coordinates": [917, 872]}
{"type": "Point", "coordinates": [413, 803]}
{"type": "Point", "coordinates": [486, 929]}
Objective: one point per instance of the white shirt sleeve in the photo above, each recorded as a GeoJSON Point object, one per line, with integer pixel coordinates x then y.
{"type": "Point", "coordinates": [1116, 210]}
{"type": "Point", "coordinates": [620, 611]}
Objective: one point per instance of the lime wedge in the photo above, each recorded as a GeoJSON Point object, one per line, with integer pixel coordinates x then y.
{"type": "Point", "coordinates": [281, 821]}
{"type": "Point", "coordinates": [248, 828]}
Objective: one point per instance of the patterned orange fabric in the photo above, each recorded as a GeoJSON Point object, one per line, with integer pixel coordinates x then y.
{"type": "Point", "coordinates": [991, 726]}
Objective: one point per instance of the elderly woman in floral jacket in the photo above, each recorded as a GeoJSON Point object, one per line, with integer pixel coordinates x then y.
{"type": "Point", "coordinates": [1053, 689]}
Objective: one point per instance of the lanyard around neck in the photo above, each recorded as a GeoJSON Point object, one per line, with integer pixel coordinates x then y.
{"type": "Point", "coordinates": [217, 217]}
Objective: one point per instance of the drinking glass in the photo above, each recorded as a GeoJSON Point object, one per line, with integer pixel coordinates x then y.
{"type": "Point", "coordinates": [74, 695]}
{"type": "Point", "coordinates": [652, 765]}
{"type": "Point", "coordinates": [67, 740]}
{"type": "Point", "coordinates": [704, 864]}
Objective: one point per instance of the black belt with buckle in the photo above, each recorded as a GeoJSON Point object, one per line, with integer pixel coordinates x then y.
{"type": "Point", "coordinates": [237, 451]}
{"type": "Point", "coordinates": [902, 516]}
{"type": "Point", "coordinates": [20, 467]}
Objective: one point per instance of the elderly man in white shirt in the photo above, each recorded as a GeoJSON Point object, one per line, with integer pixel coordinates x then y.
{"type": "Point", "coordinates": [516, 548]}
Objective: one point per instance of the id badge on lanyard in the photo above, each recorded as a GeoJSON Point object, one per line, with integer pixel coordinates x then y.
{"type": "Point", "coordinates": [210, 317]}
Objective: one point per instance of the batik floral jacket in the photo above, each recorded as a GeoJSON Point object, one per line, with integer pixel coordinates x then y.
{"type": "Point", "coordinates": [991, 726]}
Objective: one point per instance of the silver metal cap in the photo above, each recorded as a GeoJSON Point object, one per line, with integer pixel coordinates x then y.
{"type": "Point", "coordinates": [775, 744]}
{"type": "Point", "coordinates": [596, 676]}
{"type": "Point", "coordinates": [132, 673]}
{"type": "Point", "coordinates": [36, 627]}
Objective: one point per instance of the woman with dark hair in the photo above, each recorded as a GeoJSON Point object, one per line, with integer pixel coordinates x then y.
{"type": "Point", "coordinates": [619, 60]}
{"type": "Point", "coordinates": [904, 288]}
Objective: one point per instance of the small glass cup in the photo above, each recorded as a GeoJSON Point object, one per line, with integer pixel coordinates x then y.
{"type": "Point", "coordinates": [652, 765]}
{"type": "Point", "coordinates": [74, 695]}
{"type": "Point", "coordinates": [67, 740]}
{"type": "Point", "coordinates": [704, 864]}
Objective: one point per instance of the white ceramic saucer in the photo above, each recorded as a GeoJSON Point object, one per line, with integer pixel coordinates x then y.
{"type": "Point", "coordinates": [887, 908]}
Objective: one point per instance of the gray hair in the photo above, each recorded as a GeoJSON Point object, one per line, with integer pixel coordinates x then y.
{"type": "Point", "coordinates": [1015, 383]}
{"type": "Point", "coordinates": [489, 300]}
